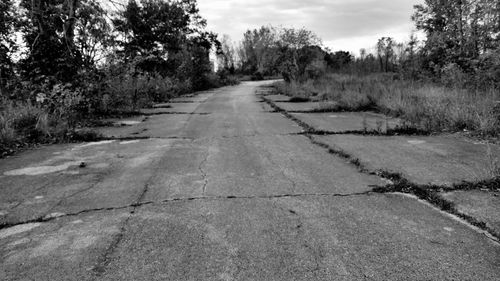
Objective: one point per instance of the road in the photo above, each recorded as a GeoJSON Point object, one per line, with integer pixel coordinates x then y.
{"type": "Point", "coordinates": [229, 191]}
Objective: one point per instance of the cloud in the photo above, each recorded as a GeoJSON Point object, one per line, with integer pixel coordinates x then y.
{"type": "Point", "coordinates": [350, 24]}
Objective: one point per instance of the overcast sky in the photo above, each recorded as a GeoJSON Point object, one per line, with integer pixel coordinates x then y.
{"type": "Point", "coordinates": [342, 24]}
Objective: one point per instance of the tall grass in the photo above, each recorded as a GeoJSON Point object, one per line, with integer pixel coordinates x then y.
{"type": "Point", "coordinates": [20, 123]}
{"type": "Point", "coordinates": [426, 106]}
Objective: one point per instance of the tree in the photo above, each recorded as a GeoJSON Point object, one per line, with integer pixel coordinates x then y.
{"type": "Point", "coordinates": [258, 50]}
{"type": "Point", "coordinates": [458, 31]}
{"type": "Point", "coordinates": [155, 30]}
{"type": "Point", "coordinates": [294, 43]}
{"type": "Point", "coordinates": [385, 53]}
{"type": "Point", "coordinates": [94, 34]}
{"type": "Point", "coordinates": [8, 22]}
{"type": "Point", "coordinates": [228, 54]}
{"type": "Point", "coordinates": [48, 31]}
{"type": "Point", "coordinates": [340, 59]}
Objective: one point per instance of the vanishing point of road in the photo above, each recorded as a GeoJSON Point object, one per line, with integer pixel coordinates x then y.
{"type": "Point", "coordinates": [220, 188]}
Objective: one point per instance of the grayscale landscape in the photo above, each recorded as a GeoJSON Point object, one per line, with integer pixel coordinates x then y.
{"type": "Point", "coordinates": [227, 140]}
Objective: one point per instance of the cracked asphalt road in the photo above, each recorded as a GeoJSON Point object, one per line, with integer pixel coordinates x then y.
{"type": "Point", "coordinates": [234, 194]}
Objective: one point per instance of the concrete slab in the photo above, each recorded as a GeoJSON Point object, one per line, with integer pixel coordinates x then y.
{"type": "Point", "coordinates": [154, 126]}
{"type": "Point", "coordinates": [278, 98]}
{"type": "Point", "coordinates": [198, 97]}
{"type": "Point", "coordinates": [298, 106]}
{"type": "Point", "coordinates": [175, 107]}
{"type": "Point", "coordinates": [127, 121]}
{"type": "Point", "coordinates": [64, 249]}
{"type": "Point", "coordinates": [305, 106]}
{"type": "Point", "coordinates": [440, 160]}
{"type": "Point", "coordinates": [480, 204]}
{"type": "Point", "coordinates": [113, 174]}
{"type": "Point", "coordinates": [348, 121]}
{"type": "Point", "coordinates": [234, 166]}
{"type": "Point", "coordinates": [374, 237]}
{"type": "Point", "coordinates": [162, 105]}
{"type": "Point", "coordinates": [224, 125]}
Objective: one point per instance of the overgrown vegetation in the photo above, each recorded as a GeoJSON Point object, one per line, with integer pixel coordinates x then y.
{"type": "Point", "coordinates": [423, 105]}
{"type": "Point", "coordinates": [447, 83]}
{"type": "Point", "coordinates": [79, 59]}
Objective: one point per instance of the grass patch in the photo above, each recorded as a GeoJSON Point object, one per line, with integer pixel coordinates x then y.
{"type": "Point", "coordinates": [428, 107]}
{"type": "Point", "coordinates": [23, 124]}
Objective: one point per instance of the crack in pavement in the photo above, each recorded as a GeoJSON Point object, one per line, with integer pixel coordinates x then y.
{"type": "Point", "coordinates": [138, 204]}
{"type": "Point", "coordinates": [173, 113]}
{"type": "Point", "coordinates": [103, 261]}
{"type": "Point", "coordinates": [203, 173]}
{"type": "Point", "coordinates": [400, 184]}
{"type": "Point", "coordinates": [310, 130]}
{"type": "Point", "coordinates": [132, 138]}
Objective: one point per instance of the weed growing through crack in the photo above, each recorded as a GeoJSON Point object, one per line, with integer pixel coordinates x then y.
{"type": "Point", "coordinates": [429, 193]}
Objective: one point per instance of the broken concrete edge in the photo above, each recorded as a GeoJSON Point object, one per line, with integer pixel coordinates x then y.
{"type": "Point", "coordinates": [308, 129]}
{"type": "Point", "coordinates": [433, 197]}
{"type": "Point", "coordinates": [76, 136]}
{"type": "Point", "coordinates": [428, 193]}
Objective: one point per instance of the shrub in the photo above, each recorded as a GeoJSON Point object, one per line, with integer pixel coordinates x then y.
{"type": "Point", "coordinates": [257, 76]}
{"type": "Point", "coordinates": [22, 123]}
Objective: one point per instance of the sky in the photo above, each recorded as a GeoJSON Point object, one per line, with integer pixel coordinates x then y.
{"type": "Point", "coordinates": [342, 24]}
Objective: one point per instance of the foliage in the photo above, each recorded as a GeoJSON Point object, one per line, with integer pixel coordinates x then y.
{"type": "Point", "coordinates": [457, 31]}
{"type": "Point", "coordinates": [48, 29]}
{"type": "Point", "coordinates": [8, 22]}
{"type": "Point", "coordinates": [79, 60]}
{"type": "Point", "coordinates": [269, 51]}
{"type": "Point", "coordinates": [93, 33]}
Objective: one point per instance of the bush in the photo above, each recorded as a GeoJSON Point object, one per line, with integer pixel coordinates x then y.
{"type": "Point", "coordinates": [257, 76]}
{"type": "Point", "coordinates": [22, 123]}
{"type": "Point", "coordinates": [453, 76]}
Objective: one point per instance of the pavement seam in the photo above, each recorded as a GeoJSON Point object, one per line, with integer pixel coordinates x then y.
{"type": "Point", "coordinates": [136, 205]}
{"type": "Point", "coordinates": [132, 138]}
{"type": "Point", "coordinates": [173, 113]}
{"type": "Point", "coordinates": [398, 183]}
{"type": "Point", "coordinates": [310, 130]}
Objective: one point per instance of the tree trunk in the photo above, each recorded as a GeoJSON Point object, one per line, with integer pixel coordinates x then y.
{"type": "Point", "coordinates": [69, 24]}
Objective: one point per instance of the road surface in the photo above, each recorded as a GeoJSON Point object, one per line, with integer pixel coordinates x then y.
{"type": "Point", "coordinates": [226, 191]}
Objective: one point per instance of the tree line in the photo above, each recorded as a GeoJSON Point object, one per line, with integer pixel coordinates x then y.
{"type": "Point", "coordinates": [64, 64]}
{"type": "Point", "coordinates": [461, 47]}
{"type": "Point", "coordinates": [48, 47]}
{"type": "Point", "coordinates": [293, 53]}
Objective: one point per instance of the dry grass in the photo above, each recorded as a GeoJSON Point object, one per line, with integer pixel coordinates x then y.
{"type": "Point", "coordinates": [425, 106]}
{"type": "Point", "coordinates": [23, 123]}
